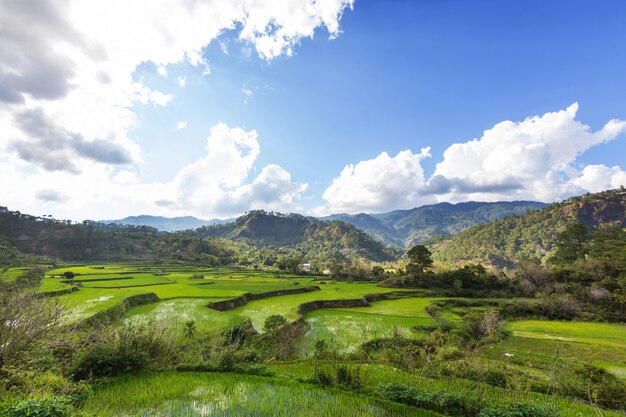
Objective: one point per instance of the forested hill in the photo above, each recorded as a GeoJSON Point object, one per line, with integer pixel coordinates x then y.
{"type": "Point", "coordinates": [533, 235]}
{"type": "Point", "coordinates": [25, 238]}
{"type": "Point", "coordinates": [407, 227]}
{"type": "Point", "coordinates": [309, 235]}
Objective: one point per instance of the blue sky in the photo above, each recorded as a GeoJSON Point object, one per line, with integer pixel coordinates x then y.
{"type": "Point", "coordinates": [400, 75]}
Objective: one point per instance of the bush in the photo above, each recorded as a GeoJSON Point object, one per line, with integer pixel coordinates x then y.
{"type": "Point", "coordinates": [323, 376]}
{"type": "Point", "coordinates": [518, 410]}
{"type": "Point", "coordinates": [39, 407]}
{"type": "Point", "coordinates": [100, 361]}
{"type": "Point", "coordinates": [448, 403]}
{"type": "Point", "coordinates": [349, 377]}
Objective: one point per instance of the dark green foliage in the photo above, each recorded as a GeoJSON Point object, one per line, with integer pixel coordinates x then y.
{"type": "Point", "coordinates": [129, 348]}
{"type": "Point", "coordinates": [518, 410]}
{"type": "Point", "coordinates": [39, 407]}
{"type": "Point", "coordinates": [601, 387]}
{"type": "Point", "coordinates": [274, 322]}
{"type": "Point", "coordinates": [349, 376]}
{"type": "Point", "coordinates": [572, 244]}
{"type": "Point", "coordinates": [448, 403]}
{"type": "Point", "coordinates": [533, 235]}
{"type": "Point", "coordinates": [419, 258]}
{"type": "Point", "coordinates": [405, 228]}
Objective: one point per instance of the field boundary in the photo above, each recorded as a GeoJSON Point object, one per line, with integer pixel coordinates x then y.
{"type": "Point", "coordinates": [247, 297]}
{"type": "Point", "coordinates": [118, 310]}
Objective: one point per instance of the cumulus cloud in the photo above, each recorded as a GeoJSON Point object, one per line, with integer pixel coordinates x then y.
{"type": "Point", "coordinates": [67, 97]}
{"type": "Point", "coordinates": [181, 125]}
{"type": "Point", "coordinates": [50, 196]}
{"type": "Point", "coordinates": [535, 159]}
{"type": "Point", "coordinates": [61, 56]}
{"type": "Point", "coordinates": [531, 159]}
{"type": "Point", "coordinates": [55, 149]}
{"type": "Point", "coordinates": [216, 184]}
{"type": "Point", "coordinates": [377, 184]}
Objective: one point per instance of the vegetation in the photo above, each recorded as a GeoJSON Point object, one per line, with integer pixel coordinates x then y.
{"type": "Point", "coordinates": [534, 235]}
{"type": "Point", "coordinates": [423, 339]}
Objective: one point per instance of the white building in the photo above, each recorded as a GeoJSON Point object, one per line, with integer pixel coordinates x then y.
{"type": "Point", "coordinates": [306, 267]}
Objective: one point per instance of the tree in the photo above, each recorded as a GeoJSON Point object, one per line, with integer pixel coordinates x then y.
{"type": "Point", "coordinates": [378, 271]}
{"type": "Point", "coordinates": [572, 244]}
{"type": "Point", "coordinates": [419, 258]}
{"type": "Point", "coordinates": [26, 320]}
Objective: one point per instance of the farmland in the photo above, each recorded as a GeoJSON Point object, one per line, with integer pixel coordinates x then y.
{"type": "Point", "coordinates": [534, 355]}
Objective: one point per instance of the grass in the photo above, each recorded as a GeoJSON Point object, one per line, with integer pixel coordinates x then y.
{"type": "Point", "coordinates": [345, 329]}
{"type": "Point", "coordinates": [488, 395]}
{"type": "Point", "coordinates": [10, 274]}
{"type": "Point", "coordinates": [197, 394]}
{"type": "Point", "coordinates": [538, 345]}
{"type": "Point", "coordinates": [578, 332]}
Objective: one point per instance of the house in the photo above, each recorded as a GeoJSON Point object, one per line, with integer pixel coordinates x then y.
{"type": "Point", "coordinates": [306, 267]}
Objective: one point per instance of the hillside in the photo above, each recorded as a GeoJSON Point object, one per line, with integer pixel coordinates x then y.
{"type": "Point", "coordinates": [166, 224]}
{"type": "Point", "coordinates": [23, 238]}
{"type": "Point", "coordinates": [407, 227]}
{"type": "Point", "coordinates": [309, 235]}
{"type": "Point", "coordinates": [532, 235]}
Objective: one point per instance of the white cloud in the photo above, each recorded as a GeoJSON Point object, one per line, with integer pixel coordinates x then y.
{"type": "Point", "coordinates": [221, 184]}
{"type": "Point", "coordinates": [216, 185]}
{"type": "Point", "coordinates": [534, 159]}
{"type": "Point", "coordinates": [61, 60]}
{"type": "Point", "coordinates": [181, 125]}
{"type": "Point", "coordinates": [181, 81]}
{"type": "Point", "coordinates": [378, 184]}
{"type": "Point", "coordinates": [596, 178]}
{"type": "Point", "coordinates": [162, 70]}
{"type": "Point", "coordinates": [223, 47]}
{"type": "Point", "coordinates": [531, 159]}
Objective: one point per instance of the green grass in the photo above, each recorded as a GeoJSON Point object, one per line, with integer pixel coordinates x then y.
{"type": "Point", "coordinates": [287, 305]}
{"type": "Point", "coordinates": [486, 394]}
{"type": "Point", "coordinates": [540, 344]}
{"type": "Point", "coordinates": [197, 394]}
{"type": "Point", "coordinates": [10, 274]}
{"type": "Point", "coordinates": [176, 312]}
{"type": "Point", "coordinates": [345, 329]}
{"type": "Point", "coordinates": [578, 332]}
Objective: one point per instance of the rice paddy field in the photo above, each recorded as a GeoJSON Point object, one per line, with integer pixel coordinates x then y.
{"type": "Point", "coordinates": [554, 346]}
{"type": "Point", "coordinates": [195, 394]}
{"type": "Point", "coordinates": [534, 349]}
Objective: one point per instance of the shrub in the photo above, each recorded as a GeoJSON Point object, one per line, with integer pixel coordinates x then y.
{"type": "Point", "coordinates": [39, 407]}
{"type": "Point", "coordinates": [323, 376]}
{"type": "Point", "coordinates": [349, 377]}
{"type": "Point", "coordinates": [448, 403]}
{"type": "Point", "coordinates": [518, 410]}
{"type": "Point", "coordinates": [99, 361]}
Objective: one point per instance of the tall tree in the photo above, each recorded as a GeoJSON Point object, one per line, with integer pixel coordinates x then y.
{"type": "Point", "coordinates": [419, 258]}
{"type": "Point", "coordinates": [573, 243]}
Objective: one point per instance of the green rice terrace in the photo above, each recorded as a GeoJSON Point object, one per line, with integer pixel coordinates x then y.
{"type": "Point", "coordinates": [236, 342]}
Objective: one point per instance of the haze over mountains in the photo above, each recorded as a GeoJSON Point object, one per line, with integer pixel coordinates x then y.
{"type": "Point", "coordinates": [167, 224]}
{"type": "Point", "coordinates": [401, 228]}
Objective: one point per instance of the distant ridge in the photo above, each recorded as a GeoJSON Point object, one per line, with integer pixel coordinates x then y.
{"type": "Point", "coordinates": [532, 236]}
{"type": "Point", "coordinates": [408, 227]}
{"type": "Point", "coordinates": [166, 224]}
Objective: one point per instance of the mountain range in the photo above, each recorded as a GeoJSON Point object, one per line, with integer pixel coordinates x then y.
{"type": "Point", "coordinates": [166, 224]}
{"type": "Point", "coordinates": [402, 228]}
{"type": "Point", "coordinates": [532, 236]}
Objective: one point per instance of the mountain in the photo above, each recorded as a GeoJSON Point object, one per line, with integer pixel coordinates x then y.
{"type": "Point", "coordinates": [166, 224]}
{"type": "Point", "coordinates": [24, 238]}
{"type": "Point", "coordinates": [407, 227]}
{"type": "Point", "coordinates": [309, 235]}
{"type": "Point", "coordinates": [531, 236]}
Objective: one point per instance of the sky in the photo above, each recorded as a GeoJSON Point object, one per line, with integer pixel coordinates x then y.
{"type": "Point", "coordinates": [213, 108]}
